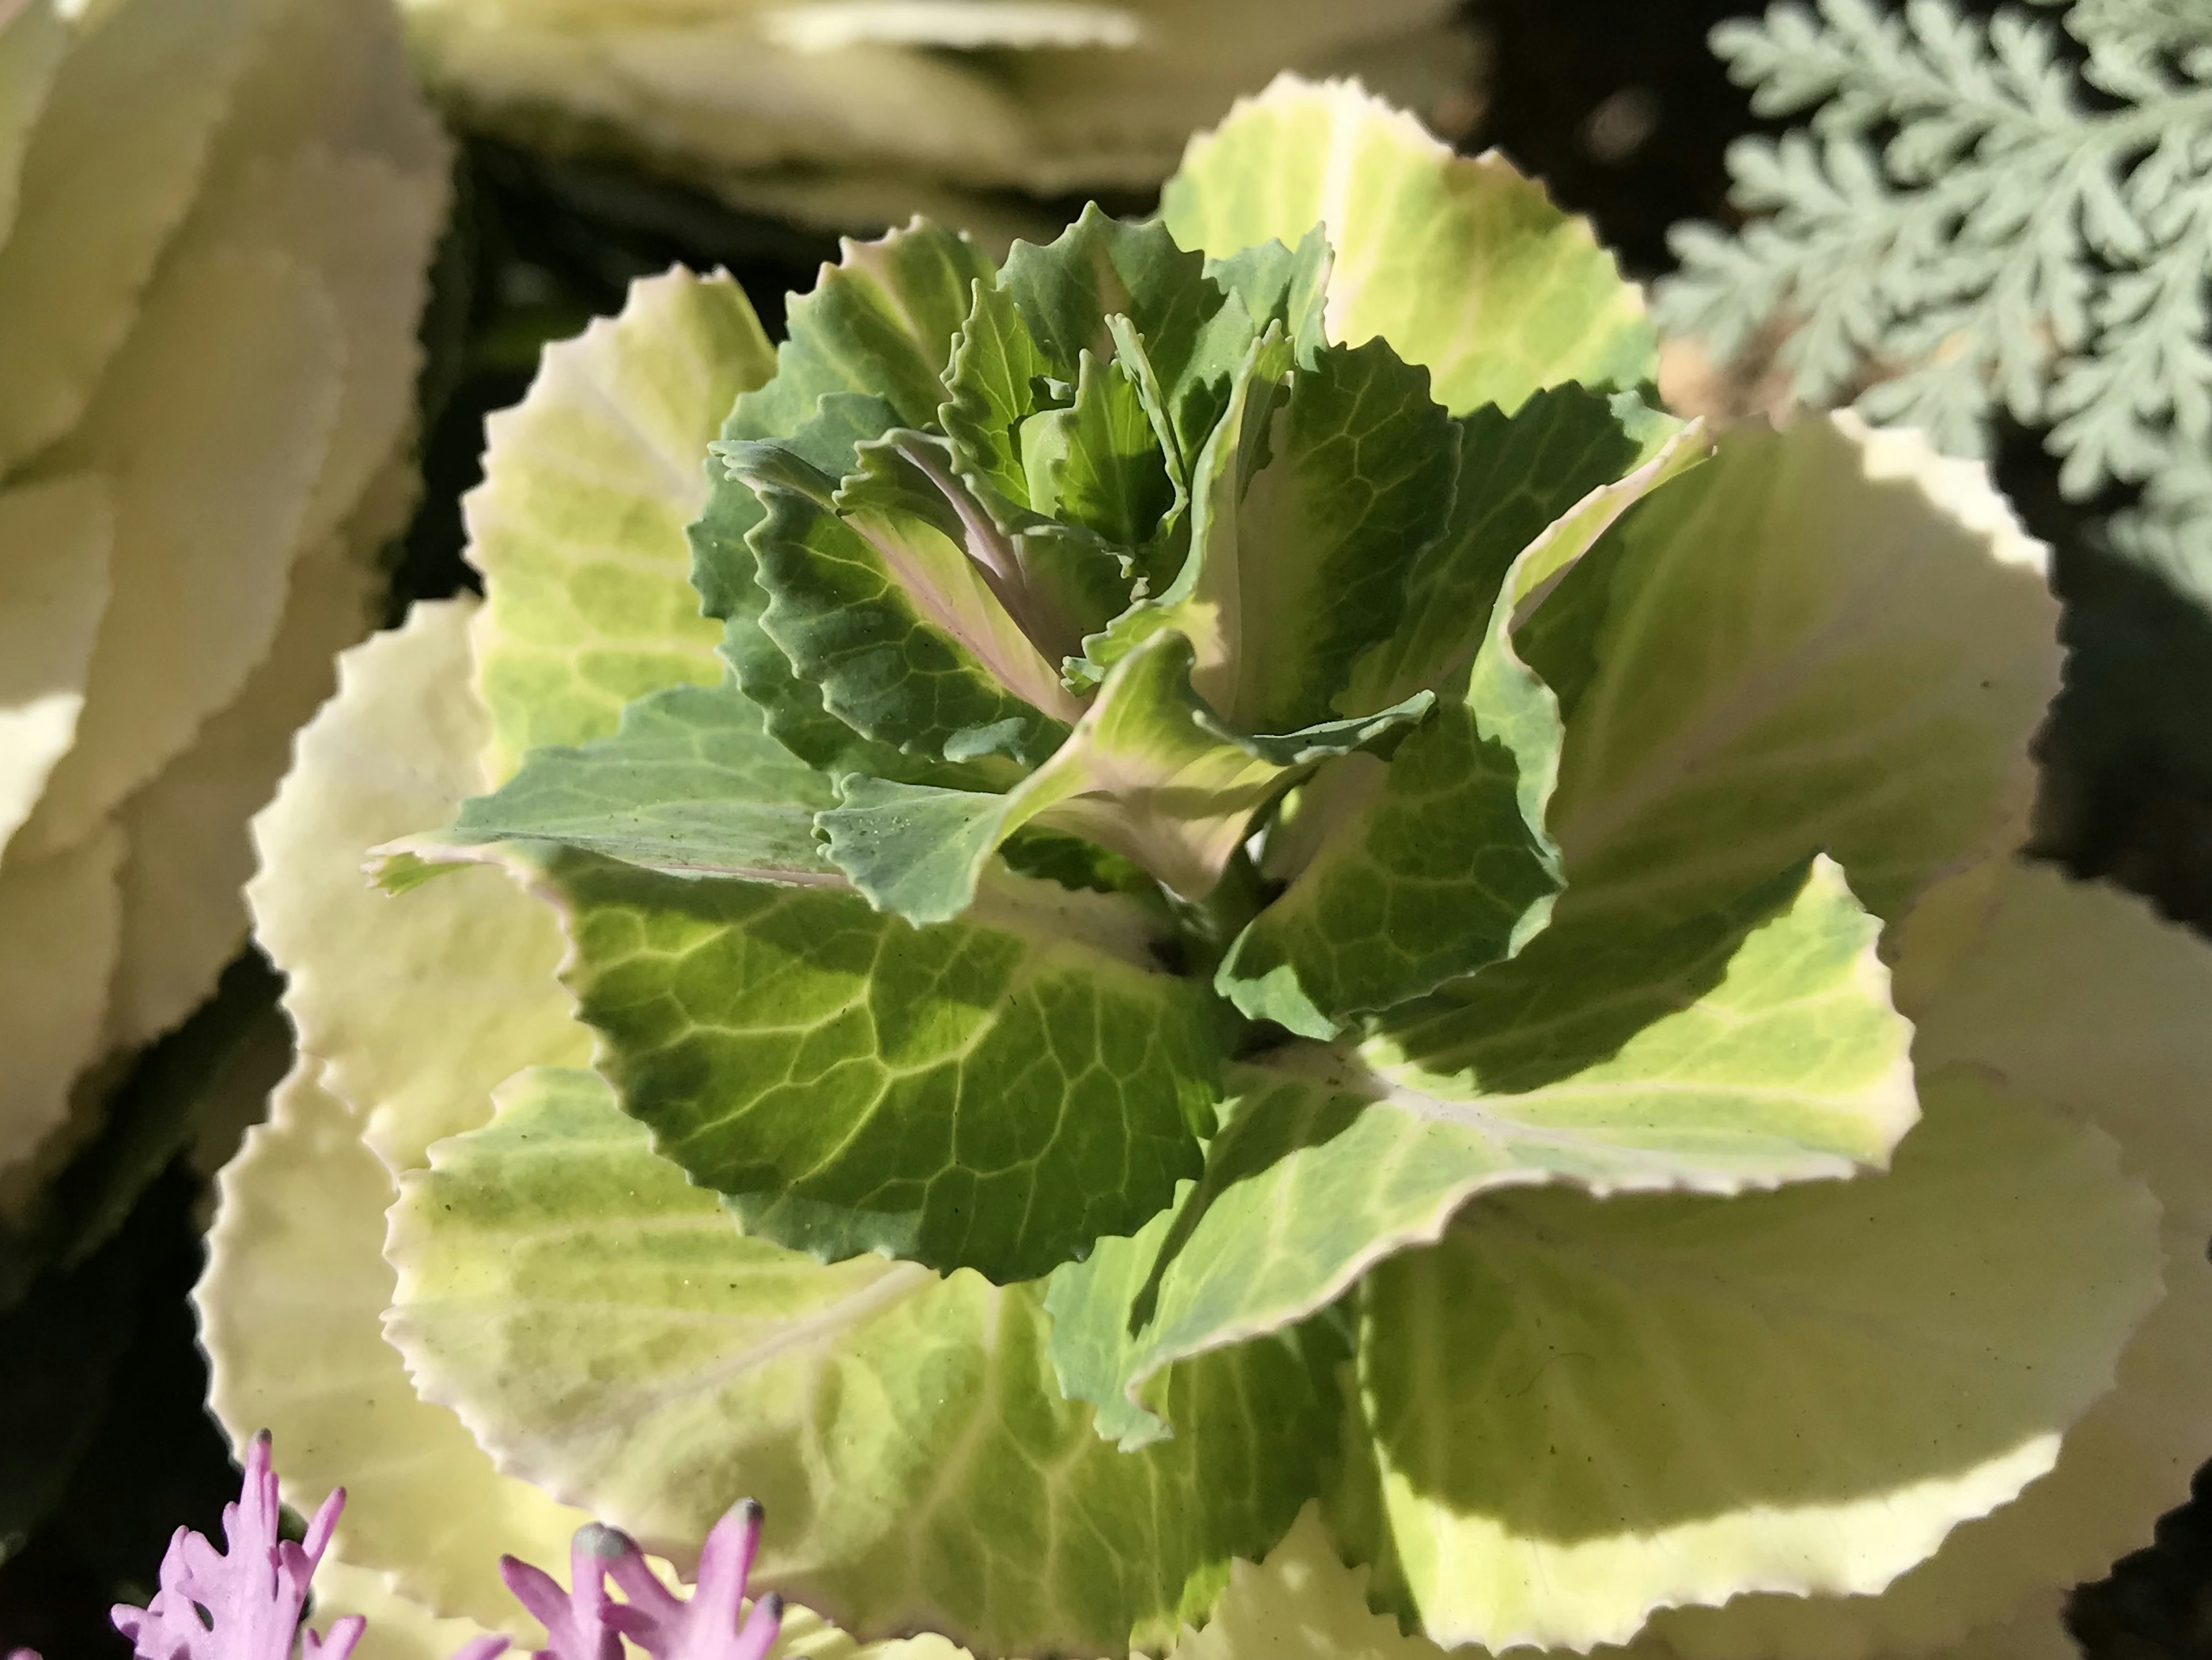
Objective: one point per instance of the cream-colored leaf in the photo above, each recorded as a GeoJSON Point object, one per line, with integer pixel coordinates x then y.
{"type": "Point", "coordinates": [1302, 1604]}
{"type": "Point", "coordinates": [190, 855]}
{"type": "Point", "coordinates": [335, 74]}
{"type": "Point", "coordinates": [2079, 995]}
{"type": "Point", "coordinates": [579, 526]}
{"type": "Point", "coordinates": [419, 1004]}
{"type": "Point", "coordinates": [365, 229]}
{"type": "Point", "coordinates": [59, 923]}
{"type": "Point", "coordinates": [1584, 1411]}
{"type": "Point", "coordinates": [812, 25]}
{"type": "Point", "coordinates": [212, 424]}
{"type": "Point", "coordinates": [54, 544]}
{"type": "Point", "coordinates": [288, 1311]}
{"type": "Point", "coordinates": [1825, 638]}
{"type": "Point", "coordinates": [33, 36]}
{"type": "Point", "coordinates": [102, 194]}
{"type": "Point", "coordinates": [399, 1627]}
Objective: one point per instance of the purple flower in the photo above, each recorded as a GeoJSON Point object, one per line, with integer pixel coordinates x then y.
{"type": "Point", "coordinates": [244, 1603]}
{"type": "Point", "coordinates": [706, 1628]}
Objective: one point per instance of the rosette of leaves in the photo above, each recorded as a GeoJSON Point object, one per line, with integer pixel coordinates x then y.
{"type": "Point", "coordinates": [842, 113]}
{"type": "Point", "coordinates": [1251, 915]}
{"type": "Point", "coordinates": [215, 222]}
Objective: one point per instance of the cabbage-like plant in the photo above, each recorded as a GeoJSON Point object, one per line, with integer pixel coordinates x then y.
{"type": "Point", "coordinates": [215, 219]}
{"type": "Point", "coordinates": [1227, 902]}
{"type": "Point", "coordinates": [837, 112]}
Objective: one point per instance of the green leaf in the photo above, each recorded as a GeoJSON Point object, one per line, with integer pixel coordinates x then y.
{"type": "Point", "coordinates": [725, 575]}
{"type": "Point", "coordinates": [692, 784]}
{"type": "Point", "coordinates": [601, 1325]}
{"type": "Point", "coordinates": [1201, 600]}
{"type": "Point", "coordinates": [1576, 1411]}
{"type": "Point", "coordinates": [1750, 1048]}
{"type": "Point", "coordinates": [1442, 863]}
{"type": "Point", "coordinates": [579, 525]}
{"type": "Point", "coordinates": [1102, 469]}
{"type": "Point", "coordinates": [1774, 663]}
{"type": "Point", "coordinates": [1357, 486]}
{"type": "Point", "coordinates": [1149, 773]}
{"type": "Point", "coordinates": [888, 616]}
{"type": "Point", "coordinates": [992, 1094]}
{"type": "Point", "coordinates": [869, 332]}
{"type": "Point", "coordinates": [1429, 869]}
{"type": "Point", "coordinates": [1283, 285]}
{"type": "Point", "coordinates": [881, 321]}
{"type": "Point", "coordinates": [1102, 267]}
{"type": "Point", "coordinates": [990, 390]}
{"type": "Point", "coordinates": [1559, 470]}
{"type": "Point", "coordinates": [1460, 263]}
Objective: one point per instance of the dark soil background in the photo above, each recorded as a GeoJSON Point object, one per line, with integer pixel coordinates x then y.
{"type": "Point", "coordinates": [1618, 107]}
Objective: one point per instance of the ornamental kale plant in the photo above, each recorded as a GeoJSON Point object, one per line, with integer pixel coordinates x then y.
{"type": "Point", "coordinates": [1207, 897]}
{"type": "Point", "coordinates": [215, 222]}
{"type": "Point", "coordinates": [848, 114]}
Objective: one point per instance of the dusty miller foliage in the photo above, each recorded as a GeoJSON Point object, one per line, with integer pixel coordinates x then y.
{"type": "Point", "coordinates": [1979, 220]}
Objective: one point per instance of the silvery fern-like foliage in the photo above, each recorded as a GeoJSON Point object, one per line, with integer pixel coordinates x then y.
{"type": "Point", "coordinates": [1976, 223]}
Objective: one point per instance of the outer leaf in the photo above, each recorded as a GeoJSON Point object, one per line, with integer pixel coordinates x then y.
{"type": "Point", "coordinates": [419, 1006]}
{"type": "Point", "coordinates": [1461, 263]}
{"type": "Point", "coordinates": [1149, 773]}
{"type": "Point", "coordinates": [579, 525]}
{"type": "Point", "coordinates": [213, 422]}
{"type": "Point", "coordinates": [189, 851]}
{"type": "Point", "coordinates": [399, 1627]}
{"type": "Point", "coordinates": [906, 1428]}
{"type": "Point", "coordinates": [993, 1094]}
{"type": "Point", "coordinates": [2077, 994]}
{"type": "Point", "coordinates": [99, 198]}
{"type": "Point", "coordinates": [289, 1308]}
{"type": "Point", "coordinates": [1444, 863]}
{"type": "Point", "coordinates": [1844, 1373]}
{"type": "Point", "coordinates": [1776, 652]}
{"type": "Point", "coordinates": [60, 923]}
{"type": "Point", "coordinates": [692, 784]}
{"type": "Point", "coordinates": [366, 231]}
{"type": "Point", "coordinates": [52, 591]}
{"type": "Point", "coordinates": [33, 38]}
{"type": "Point", "coordinates": [1300, 1603]}
{"type": "Point", "coordinates": [1752, 1047]}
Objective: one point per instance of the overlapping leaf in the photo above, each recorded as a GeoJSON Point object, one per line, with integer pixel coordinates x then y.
{"type": "Point", "coordinates": [1445, 862]}
{"type": "Point", "coordinates": [904, 1428]}
{"type": "Point", "coordinates": [994, 1092]}
{"type": "Point", "coordinates": [1755, 1047]}
{"type": "Point", "coordinates": [1848, 1371]}
{"type": "Point", "coordinates": [1460, 263]}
